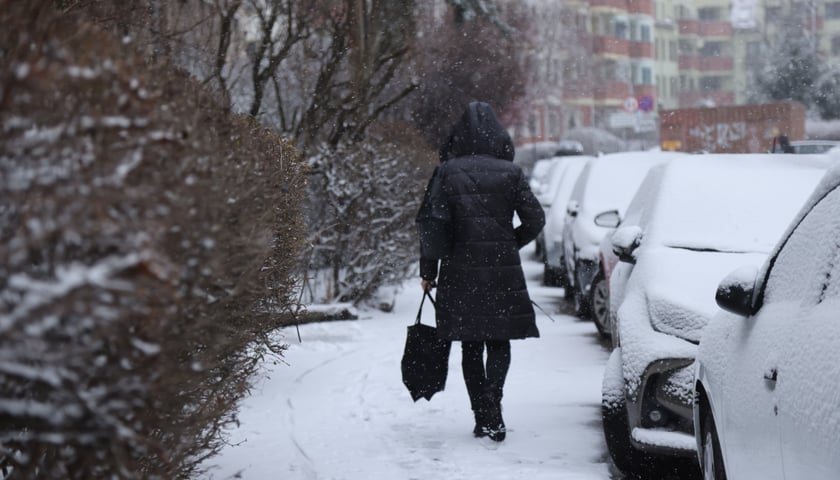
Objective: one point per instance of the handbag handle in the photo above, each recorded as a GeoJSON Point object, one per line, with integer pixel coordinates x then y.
{"type": "Point", "coordinates": [420, 311]}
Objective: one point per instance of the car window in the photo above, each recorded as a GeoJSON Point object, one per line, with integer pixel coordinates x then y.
{"type": "Point", "coordinates": [831, 289]}
{"type": "Point", "coordinates": [580, 185]}
{"type": "Point", "coordinates": [803, 269]}
{"type": "Point", "coordinates": [642, 202]}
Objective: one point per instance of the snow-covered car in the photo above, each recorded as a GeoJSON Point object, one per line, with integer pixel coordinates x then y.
{"type": "Point", "coordinates": [547, 191]}
{"type": "Point", "coordinates": [528, 154]}
{"type": "Point", "coordinates": [813, 146]}
{"type": "Point", "coordinates": [607, 183]}
{"type": "Point", "coordinates": [539, 174]}
{"type": "Point", "coordinates": [768, 367]}
{"type": "Point", "coordinates": [607, 261]}
{"type": "Point", "coordinates": [554, 267]}
{"type": "Point", "coordinates": [809, 146]}
{"type": "Point", "coordinates": [692, 221]}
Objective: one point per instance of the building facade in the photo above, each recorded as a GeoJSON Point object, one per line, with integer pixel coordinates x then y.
{"type": "Point", "coordinates": [632, 58]}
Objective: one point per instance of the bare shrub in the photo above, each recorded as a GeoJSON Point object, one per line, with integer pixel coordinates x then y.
{"type": "Point", "coordinates": [147, 243]}
{"type": "Point", "coordinates": [360, 208]}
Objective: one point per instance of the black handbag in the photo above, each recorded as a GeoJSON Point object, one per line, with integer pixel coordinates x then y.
{"type": "Point", "coordinates": [425, 360]}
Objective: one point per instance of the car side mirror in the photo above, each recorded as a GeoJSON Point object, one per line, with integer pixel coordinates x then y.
{"type": "Point", "coordinates": [608, 219]}
{"type": "Point", "coordinates": [625, 241]}
{"type": "Point", "coordinates": [573, 208]}
{"type": "Point", "coordinates": [735, 292]}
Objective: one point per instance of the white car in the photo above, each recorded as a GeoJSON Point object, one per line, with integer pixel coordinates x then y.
{"type": "Point", "coordinates": [554, 266]}
{"type": "Point", "coordinates": [768, 368]}
{"type": "Point", "coordinates": [539, 174]}
{"type": "Point", "coordinates": [692, 221]}
{"type": "Point", "coordinates": [607, 183]}
{"type": "Point", "coordinates": [547, 189]}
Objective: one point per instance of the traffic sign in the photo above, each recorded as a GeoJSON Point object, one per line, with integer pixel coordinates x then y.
{"type": "Point", "coordinates": [646, 103]}
{"type": "Point", "coordinates": [631, 104]}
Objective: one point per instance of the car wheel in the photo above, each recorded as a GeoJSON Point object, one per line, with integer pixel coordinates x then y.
{"type": "Point", "coordinates": [600, 301]}
{"type": "Point", "coordinates": [713, 468]}
{"type": "Point", "coordinates": [583, 309]}
{"type": "Point", "coordinates": [550, 276]}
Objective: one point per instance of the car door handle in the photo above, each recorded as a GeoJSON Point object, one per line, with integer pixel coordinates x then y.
{"type": "Point", "coordinates": [771, 375]}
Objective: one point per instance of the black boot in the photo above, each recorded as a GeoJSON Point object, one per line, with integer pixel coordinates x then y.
{"type": "Point", "coordinates": [495, 424]}
{"type": "Point", "coordinates": [480, 409]}
{"type": "Point", "coordinates": [480, 420]}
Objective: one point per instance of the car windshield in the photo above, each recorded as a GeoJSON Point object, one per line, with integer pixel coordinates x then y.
{"type": "Point", "coordinates": [729, 203]}
{"type": "Point", "coordinates": [613, 179]}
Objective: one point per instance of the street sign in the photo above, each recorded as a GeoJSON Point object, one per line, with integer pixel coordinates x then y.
{"type": "Point", "coordinates": [631, 104]}
{"type": "Point", "coordinates": [621, 120]}
{"type": "Point", "coordinates": [646, 103]}
{"type": "Point", "coordinates": [645, 122]}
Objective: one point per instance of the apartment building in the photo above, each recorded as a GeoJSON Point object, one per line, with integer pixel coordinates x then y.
{"type": "Point", "coordinates": [633, 58]}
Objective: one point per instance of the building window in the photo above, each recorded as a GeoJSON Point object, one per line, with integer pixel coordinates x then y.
{"type": "Point", "coordinates": [709, 14]}
{"type": "Point", "coordinates": [711, 83]}
{"type": "Point", "coordinates": [647, 76]}
{"type": "Point", "coordinates": [621, 30]}
{"type": "Point", "coordinates": [832, 10]}
{"type": "Point", "coordinates": [835, 45]}
{"type": "Point", "coordinates": [673, 86]}
{"type": "Point", "coordinates": [645, 33]}
{"type": "Point", "coordinates": [672, 50]}
{"type": "Point", "coordinates": [773, 15]}
{"type": "Point", "coordinates": [710, 49]}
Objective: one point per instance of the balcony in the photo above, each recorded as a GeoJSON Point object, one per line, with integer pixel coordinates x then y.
{"type": "Point", "coordinates": [689, 62]}
{"type": "Point", "coordinates": [695, 98]}
{"type": "Point", "coordinates": [716, 64]}
{"type": "Point", "coordinates": [688, 27]}
{"type": "Point", "coordinates": [641, 50]}
{"type": "Point", "coordinates": [577, 89]}
{"type": "Point", "coordinates": [715, 29]}
{"type": "Point", "coordinates": [640, 91]}
{"type": "Point", "coordinates": [609, 4]}
{"type": "Point", "coordinates": [610, 91]}
{"type": "Point", "coordinates": [610, 46]}
{"type": "Point", "coordinates": [644, 7]}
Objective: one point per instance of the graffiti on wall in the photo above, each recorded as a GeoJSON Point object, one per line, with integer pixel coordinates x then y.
{"type": "Point", "coordinates": [720, 136]}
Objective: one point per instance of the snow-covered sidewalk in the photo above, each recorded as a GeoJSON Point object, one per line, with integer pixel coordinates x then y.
{"type": "Point", "coordinates": [338, 409]}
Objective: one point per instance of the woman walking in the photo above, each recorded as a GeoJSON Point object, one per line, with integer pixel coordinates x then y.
{"type": "Point", "coordinates": [482, 298]}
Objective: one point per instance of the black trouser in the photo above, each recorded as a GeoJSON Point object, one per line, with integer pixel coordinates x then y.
{"type": "Point", "coordinates": [482, 381]}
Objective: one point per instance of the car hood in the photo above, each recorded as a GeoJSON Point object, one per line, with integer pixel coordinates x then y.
{"type": "Point", "coordinates": [680, 286]}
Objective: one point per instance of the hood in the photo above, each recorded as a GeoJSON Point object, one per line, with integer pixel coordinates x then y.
{"type": "Point", "coordinates": [478, 132]}
{"type": "Point", "coordinates": [680, 286]}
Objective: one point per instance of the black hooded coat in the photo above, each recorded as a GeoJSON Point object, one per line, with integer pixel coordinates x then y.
{"type": "Point", "coordinates": [482, 294]}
